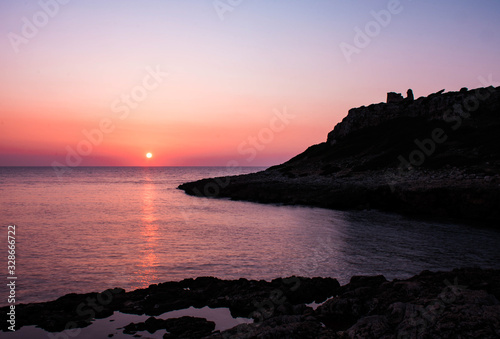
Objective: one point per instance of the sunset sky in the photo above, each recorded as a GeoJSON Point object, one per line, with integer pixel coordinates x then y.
{"type": "Point", "coordinates": [205, 82]}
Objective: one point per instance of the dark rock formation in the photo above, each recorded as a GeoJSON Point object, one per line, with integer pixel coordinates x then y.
{"type": "Point", "coordinates": [393, 97]}
{"type": "Point", "coordinates": [409, 95]}
{"type": "Point", "coordinates": [458, 304]}
{"type": "Point", "coordinates": [463, 303]}
{"type": "Point", "coordinates": [435, 107]}
{"type": "Point", "coordinates": [184, 327]}
{"type": "Point", "coordinates": [434, 156]}
{"type": "Point", "coordinates": [244, 298]}
{"type": "Point", "coordinates": [284, 326]}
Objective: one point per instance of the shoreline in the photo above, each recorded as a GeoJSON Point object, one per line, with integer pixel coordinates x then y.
{"type": "Point", "coordinates": [429, 195]}
{"type": "Point", "coordinates": [434, 156]}
{"type": "Point", "coordinates": [369, 306]}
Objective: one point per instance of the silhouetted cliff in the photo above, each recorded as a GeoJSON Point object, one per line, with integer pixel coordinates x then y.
{"type": "Point", "coordinates": [437, 155]}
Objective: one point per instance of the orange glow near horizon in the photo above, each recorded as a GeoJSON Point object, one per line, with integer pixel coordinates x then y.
{"type": "Point", "coordinates": [200, 91]}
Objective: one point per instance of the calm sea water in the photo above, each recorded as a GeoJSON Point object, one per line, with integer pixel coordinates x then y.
{"type": "Point", "coordinates": [98, 228]}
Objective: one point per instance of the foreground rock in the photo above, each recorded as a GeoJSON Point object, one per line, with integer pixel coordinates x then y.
{"type": "Point", "coordinates": [436, 156]}
{"type": "Point", "coordinates": [244, 298]}
{"type": "Point", "coordinates": [184, 327]}
{"type": "Point", "coordinates": [463, 303]}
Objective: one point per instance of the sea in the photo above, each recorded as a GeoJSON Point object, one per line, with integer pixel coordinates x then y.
{"type": "Point", "coordinates": [95, 228]}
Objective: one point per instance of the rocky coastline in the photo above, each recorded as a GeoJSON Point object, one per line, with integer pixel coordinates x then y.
{"type": "Point", "coordinates": [460, 303]}
{"type": "Point", "coordinates": [436, 156]}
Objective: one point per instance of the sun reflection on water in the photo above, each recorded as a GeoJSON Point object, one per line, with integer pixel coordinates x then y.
{"type": "Point", "coordinates": [147, 269]}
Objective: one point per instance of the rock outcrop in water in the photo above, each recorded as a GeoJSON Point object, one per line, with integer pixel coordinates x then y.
{"type": "Point", "coordinates": [463, 303]}
{"type": "Point", "coordinates": [433, 156]}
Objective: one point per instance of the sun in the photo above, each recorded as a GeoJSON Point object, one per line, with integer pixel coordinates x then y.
{"type": "Point", "coordinates": [149, 155]}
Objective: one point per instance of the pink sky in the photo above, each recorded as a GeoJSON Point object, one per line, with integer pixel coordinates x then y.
{"type": "Point", "coordinates": [224, 79]}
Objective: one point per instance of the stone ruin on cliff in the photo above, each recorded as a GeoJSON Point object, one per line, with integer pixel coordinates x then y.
{"type": "Point", "coordinates": [393, 97]}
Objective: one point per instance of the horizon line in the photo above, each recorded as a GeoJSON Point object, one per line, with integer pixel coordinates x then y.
{"type": "Point", "coordinates": [214, 166]}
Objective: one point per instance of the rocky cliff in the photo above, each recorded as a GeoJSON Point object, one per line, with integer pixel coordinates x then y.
{"type": "Point", "coordinates": [437, 155]}
{"type": "Point", "coordinates": [437, 106]}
